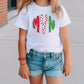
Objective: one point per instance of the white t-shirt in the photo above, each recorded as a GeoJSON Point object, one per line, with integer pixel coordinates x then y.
{"type": "Point", "coordinates": [43, 27]}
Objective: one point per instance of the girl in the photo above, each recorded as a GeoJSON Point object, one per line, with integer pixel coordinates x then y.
{"type": "Point", "coordinates": [43, 36]}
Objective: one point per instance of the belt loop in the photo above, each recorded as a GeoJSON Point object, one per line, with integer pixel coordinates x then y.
{"type": "Point", "coordinates": [52, 54]}
{"type": "Point", "coordinates": [44, 53]}
{"type": "Point", "coordinates": [31, 51]}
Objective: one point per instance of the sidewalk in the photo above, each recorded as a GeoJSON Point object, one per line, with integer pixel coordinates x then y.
{"type": "Point", "coordinates": [9, 65]}
{"type": "Point", "coordinates": [8, 30]}
{"type": "Point", "coordinates": [12, 14]}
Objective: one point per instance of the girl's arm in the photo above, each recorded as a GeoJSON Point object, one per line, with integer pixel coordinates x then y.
{"type": "Point", "coordinates": [23, 70]}
{"type": "Point", "coordinates": [66, 49]}
{"type": "Point", "coordinates": [22, 44]}
{"type": "Point", "coordinates": [65, 41]}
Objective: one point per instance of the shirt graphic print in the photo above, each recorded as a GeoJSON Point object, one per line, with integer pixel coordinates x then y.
{"type": "Point", "coordinates": [39, 19]}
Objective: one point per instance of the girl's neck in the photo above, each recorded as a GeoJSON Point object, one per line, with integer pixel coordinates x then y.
{"type": "Point", "coordinates": [42, 2]}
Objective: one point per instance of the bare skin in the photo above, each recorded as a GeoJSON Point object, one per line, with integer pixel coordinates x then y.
{"type": "Point", "coordinates": [66, 49]}
{"type": "Point", "coordinates": [24, 69]}
{"type": "Point", "coordinates": [54, 80]}
{"type": "Point", "coordinates": [36, 79]}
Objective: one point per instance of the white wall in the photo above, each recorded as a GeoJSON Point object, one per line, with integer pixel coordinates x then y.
{"type": "Point", "coordinates": [76, 34]}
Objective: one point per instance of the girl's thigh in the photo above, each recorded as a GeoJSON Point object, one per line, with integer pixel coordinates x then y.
{"type": "Point", "coordinates": [53, 80]}
{"type": "Point", "coordinates": [36, 79]}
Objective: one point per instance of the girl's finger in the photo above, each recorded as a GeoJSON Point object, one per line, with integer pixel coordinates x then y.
{"type": "Point", "coordinates": [26, 76]}
{"type": "Point", "coordinates": [69, 72]}
{"type": "Point", "coordinates": [66, 74]}
{"type": "Point", "coordinates": [63, 70]}
{"type": "Point", "coordinates": [23, 76]}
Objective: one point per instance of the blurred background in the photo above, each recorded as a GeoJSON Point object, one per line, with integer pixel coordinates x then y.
{"type": "Point", "coordinates": [9, 64]}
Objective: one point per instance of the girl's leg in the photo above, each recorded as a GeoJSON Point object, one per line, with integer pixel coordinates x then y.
{"type": "Point", "coordinates": [36, 79]}
{"type": "Point", "coordinates": [35, 66]}
{"type": "Point", "coordinates": [54, 69]}
{"type": "Point", "coordinates": [53, 80]}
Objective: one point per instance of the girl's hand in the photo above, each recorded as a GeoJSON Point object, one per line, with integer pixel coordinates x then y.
{"type": "Point", "coordinates": [24, 71]}
{"type": "Point", "coordinates": [67, 67]}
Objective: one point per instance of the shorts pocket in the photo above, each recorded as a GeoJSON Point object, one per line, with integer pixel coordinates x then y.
{"type": "Point", "coordinates": [29, 56]}
{"type": "Point", "coordinates": [57, 57]}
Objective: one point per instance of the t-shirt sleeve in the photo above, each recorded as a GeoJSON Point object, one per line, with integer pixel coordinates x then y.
{"type": "Point", "coordinates": [65, 20]}
{"type": "Point", "coordinates": [22, 19]}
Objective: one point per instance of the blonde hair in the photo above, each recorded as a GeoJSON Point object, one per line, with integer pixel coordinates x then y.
{"type": "Point", "coordinates": [55, 5]}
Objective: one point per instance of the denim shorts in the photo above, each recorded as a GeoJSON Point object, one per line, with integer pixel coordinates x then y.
{"type": "Point", "coordinates": [48, 63]}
